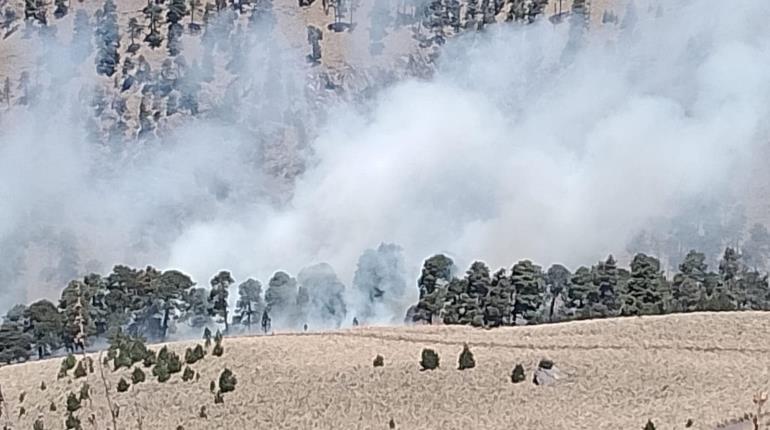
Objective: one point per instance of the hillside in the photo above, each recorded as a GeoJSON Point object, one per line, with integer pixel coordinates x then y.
{"type": "Point", "coordinates": [617, 374]}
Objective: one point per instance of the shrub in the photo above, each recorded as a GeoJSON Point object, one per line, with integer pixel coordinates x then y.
{"type": "Point", "coordinates": [545, 364]}
{"type": "Point", "coordinates": [73, 402]}
{"type": "Point", "coordinates": [90, 363]}
{"type": "Point", "coordinates": [218, 399]}
{"type": "Point", "coordinates": [429, 360]}
{"type": "Point", "coordinates": [227, 381]}
{"type": "Point", "coordinates": [123, 359]}
{"type": "Point", "coordinates": [202, 413]}
{"type": "Point", "coordinates": [80, 370]}
{"type": "Point", "coordinates": [392, 424]}
{"type": "Point", "coordinates": [66, 365]}
{"type": "Point", "coordinates": [137, 376]}
{"type": "Point", "coordinates": [38, 425]}
{"type": "Point", "coordinates": [174, 363]}
{"type": "Point", "coordinates": [188, 374]}
{"type": "Point", "coordinates": [123, 386]}
{"type": "Point", "coordinates": [150, 358]}
{"type": "Point", "coordinates": [85, 392]}
{"type": "Point", "coordinates": [22, 396]}
{"type": "Point", "coordinates": [22, 411]}
{"type": "Point", "coordinates": [212, 386]}
{"type": "Point", "coordinates": [207, 337]}
{"type": "Point", "coordinates": [517, 375]}
{"type": "Point", "coordinates": [689, 423]}
{"type": "Point", "coordinates": [193, 355]}
{"type": "Point", "coordinates": [379, 361]}
{"type": "Point", "coordinates": [649, 425]}
{"type": "Point", "coordinates": [52, 407]}
{"type": "Point", "coordinates": [466, 360]}
{"type": "Point", "coordinates": [42, 386]}
{"type": "Point", "coordinates": [218, 350]}
{"type": "Point", "coordinates": [161, 372]}
{"type": "Point", "coordinates": [72, 422]}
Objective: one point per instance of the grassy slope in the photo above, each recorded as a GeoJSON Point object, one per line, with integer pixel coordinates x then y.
{"type": "Point", "coordinates": [619, 373]}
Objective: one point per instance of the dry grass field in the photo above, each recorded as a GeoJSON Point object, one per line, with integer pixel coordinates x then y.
{"type": "Point", "coordinates": [616, 374]}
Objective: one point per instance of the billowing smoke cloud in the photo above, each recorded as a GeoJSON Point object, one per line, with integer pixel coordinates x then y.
{"type": "Point", "coordinates": [514, 150]}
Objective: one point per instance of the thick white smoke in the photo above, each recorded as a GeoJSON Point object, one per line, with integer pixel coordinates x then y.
{"type": "Point", "coordinates": [515, 150]}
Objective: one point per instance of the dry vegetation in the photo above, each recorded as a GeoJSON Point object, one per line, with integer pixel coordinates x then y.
{"type": "Point", "coordinates": [617, 374]}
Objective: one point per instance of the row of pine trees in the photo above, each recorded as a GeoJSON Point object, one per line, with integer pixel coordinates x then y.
{"type": "Point", "coordinates": [526, 294]}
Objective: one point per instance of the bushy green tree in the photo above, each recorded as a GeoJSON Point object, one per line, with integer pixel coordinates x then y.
{"type": "Point", "coordinates": [123, 385]}
{"type": "Point", "coordinates": [227, 381]}
{"type": "Point", "coordinates": [281, 297]}
{"type": "Point", "coordinates": [379, 279]}
{"type": "Point", "coordinates": [527, 281]}
{"type": "Point", "coordinates": [45, 324]}
{"type": "Point", "coordinates": [436, 274]}
{"type": "Point", "coordinates": [15, 344]}
{"type": "Point", "coordinates": [499, 302]}
{"type": "Point", "coordinates": [429, 359]}
{"type": "Point", "coordinates": [689, 285]}
{"type": "Point", "coordinates": [137, 376]}
{"type": "Point", "coordinates": [517, 375]}
{"type": "Point", "coordinates": [646, 290]}
{"type": "Point", "coordinates": [250, 304]}
{"type": "Point", "coordinates": [557, 281]}
{"type": "Point", "coordinates": [220, 290]}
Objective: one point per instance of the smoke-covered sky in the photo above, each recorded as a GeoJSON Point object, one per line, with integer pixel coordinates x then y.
{"type": "Point", "coordinates": [516, 149]}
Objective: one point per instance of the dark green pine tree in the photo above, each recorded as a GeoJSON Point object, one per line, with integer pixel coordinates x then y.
{"type": "Point", "coordinates": [436, 273]}
{"type": "Point", "coordinates": [450, 302]}
{"type": "Point", "coordinates": [606, 278]}
{"type": "Point", "coordinates": [728, 293]}
{"type": "Point", "coordinates": [498, 304]}
{"type": "Point", "coordinates": [15, 344]}
{"type": "Point", "coordinates": [757, 290]}
{"type": "Point", "coordinates": [478, 284]}
{"type": "Point", "coordinates": [250, 305]}
{"type": "Point", "coordinates": [46, 325]}
{"type": "Point", "coordinates": [220, 289]}
{"type": "Point", "coordinates": [527, 281]}
{"type": "Point", "coordinates": [581, 284]}
{"type": "Point", "coordinates": [646, 290]}
{"type": "Point", "coordinates": [557, 280]}
{"type": "Point", "coordinates": [689, 287]}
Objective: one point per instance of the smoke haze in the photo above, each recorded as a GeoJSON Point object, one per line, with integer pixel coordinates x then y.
{"type": "Point", "coordinates": [521, 146]}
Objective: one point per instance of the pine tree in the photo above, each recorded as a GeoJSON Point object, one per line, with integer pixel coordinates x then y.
{"type": "Point", "coordinates": [729, 293]}
{"type": "Point", "coordinates": [326, 293]}
{"type": "Point", "coordinates": [108, 39]}
{"type": "Point", "coordinates": [220, 289]}
{"type": "Point", "coordinates": [645, 292]}
{"type": "Point", "coordinates": [15, 344]}
{"type": "Point", "coordinates": [688, 288]}
{"type": "Point", "coordinates": [436, 273]}
{"type": "Point", "coordinates": [557, 280]}
{"type": "Point", "coordinates": [581, 284]}
{"type": "Point", "coordinates": [45, 324]}
{"type": "Point", "coordinates": [499, 304]}
{"type": "Point", "coordinates": [152, 13]}
{"type": "Point", "coordinates": [281, 297]}
{"type": "Point", "coordinates": [250, 304]}
{"type": "Point", "coordinates": [61, 8]}
{"type": "Point", "coordinates": [134, 31]}
{"type": "Point", "coordinates": [606, 285]}
{"type": "Point", "coordinates": [379, 279]}
{"type": "Point", "coordinates": [527, 280]}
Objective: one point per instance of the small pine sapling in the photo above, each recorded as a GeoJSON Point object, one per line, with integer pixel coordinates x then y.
{"type": "Point", "coordinates": [188, 374]}
{"type": "Point", "coordinates": [379, 361]}
{"type": "Point", "coordinates": [80, 370]}
{"type": "Point", "coordinates": [123, 386]}
{"type": "Point", "coordinates": [517, 375]}
{"type": "Point", "coordinates": [227, 381]}
{"type": "Point", "coordinates": [73, 402]}
{"type": "Point", "coordinates": [137, 376]}
{"type": "Point", "coordinates": [429, 359]}
{"type": "Point", "coordinates": [466, 360]}
{"type": "Point", "coordinates": [649, 425]}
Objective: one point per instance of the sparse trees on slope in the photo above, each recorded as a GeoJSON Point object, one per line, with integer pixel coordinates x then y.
{"type": "Point", "coordinates": [153, 13]}
{"type": "Point", "coordinates": [250, 304]}
{"type": "Point", "coordinates": [220, 289]}
{"type": "Point", "coordinates": [107, 36]}
{"type": "Point", "coordinates": [134, 31]}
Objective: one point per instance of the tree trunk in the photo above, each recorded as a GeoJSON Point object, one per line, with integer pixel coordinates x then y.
{"type": "Point", "coordinates": [164, 326]}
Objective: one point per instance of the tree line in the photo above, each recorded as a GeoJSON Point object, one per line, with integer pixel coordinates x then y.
{"type": "Point", "coordinates": [527, 294]}
{"type": "Point", "coordinates": [149, 303]}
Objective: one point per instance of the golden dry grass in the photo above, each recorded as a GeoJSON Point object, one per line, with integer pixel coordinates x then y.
{"type": "Point", "coordinates": [618, 373]}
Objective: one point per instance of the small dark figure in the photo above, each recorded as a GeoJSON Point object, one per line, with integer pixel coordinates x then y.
{"type": "Point", "coordinates": [305, 327]}
{"type": "Point", "coordinates": [355, 322]}
{"type": "Point", "coordinates": [392, 424]}
{"type": "Point", "coordinates": [265, 321]}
